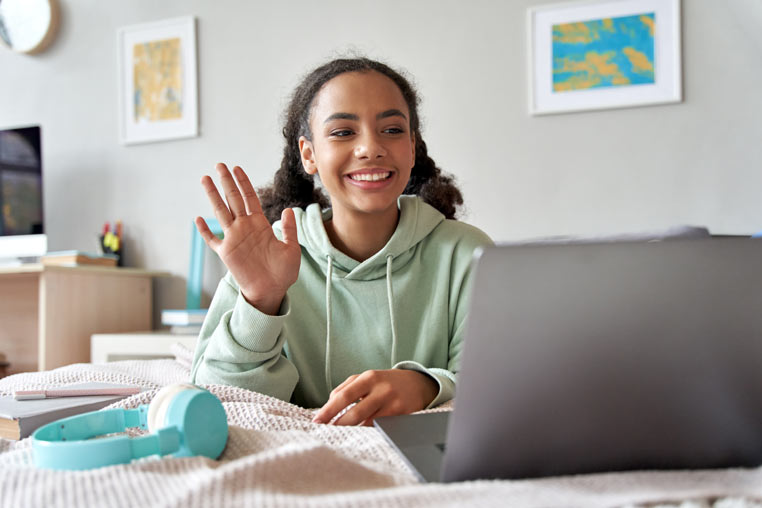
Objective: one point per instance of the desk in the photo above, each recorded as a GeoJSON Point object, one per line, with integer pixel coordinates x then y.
{"type": "Point", "coordinates": [48, 313]}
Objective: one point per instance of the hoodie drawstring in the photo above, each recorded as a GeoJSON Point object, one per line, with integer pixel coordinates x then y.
{"type": "Point", "coordinates": [390, 297]}
{"type": "Point", "coordinates": [328, 277]}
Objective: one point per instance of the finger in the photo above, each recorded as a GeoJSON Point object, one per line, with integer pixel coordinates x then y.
{"type": "Point", "coordinates": [210, 238]}
{"type": "Point", "coordinates": [369, 420]}
{"type": "Point", "coordinates": [232, 194]}
{"type": "Point", "coordinates": [220, 208]}
{"type": "Point", "coordinates": [360, 412]}
{"type": "Point", "coordinates": [383, 410]}
{"type": "Point", "coordinates": [340, 400]}
{"type": "Point", "coordinates": [318, 418]}
{"type": "Point", "coordinates": [250, 198]}
{"type": "Point", "coordinates": [288, 226]}
{"type": "Point", "coordinates": [343, 384]}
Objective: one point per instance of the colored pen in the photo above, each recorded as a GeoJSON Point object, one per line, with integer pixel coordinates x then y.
{"type": "Point", "coordinates": [78, 392]}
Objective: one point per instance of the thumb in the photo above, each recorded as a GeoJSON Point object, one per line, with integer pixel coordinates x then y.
{"type": "Point", "coordinates": [209, 238]}
{"type": "Point", "coordinates": [288, 226]}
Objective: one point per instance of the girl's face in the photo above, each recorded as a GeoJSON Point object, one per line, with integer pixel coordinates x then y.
{"type": "Point", "coordinates": [362, 146]}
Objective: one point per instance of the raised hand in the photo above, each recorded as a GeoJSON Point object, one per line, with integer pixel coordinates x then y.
{"type": "Point", "coordinates": [378, 393]}
{"type": "Point", "coordinates": [263, 266]}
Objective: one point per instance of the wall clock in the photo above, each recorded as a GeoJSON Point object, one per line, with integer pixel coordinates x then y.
{"type": "Point", "coordinates": [28, 26]}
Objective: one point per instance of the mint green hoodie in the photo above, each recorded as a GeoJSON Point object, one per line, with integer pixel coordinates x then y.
{"type": "Point", "coordinates": [405, 308]}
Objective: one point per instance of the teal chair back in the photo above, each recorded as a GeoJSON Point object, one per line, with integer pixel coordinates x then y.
{"type": "Point", "coordinates": [196, 274]}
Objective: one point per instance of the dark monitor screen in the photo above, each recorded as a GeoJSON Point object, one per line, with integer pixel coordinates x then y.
{"type": "Point", "coordinates": [21, 182]}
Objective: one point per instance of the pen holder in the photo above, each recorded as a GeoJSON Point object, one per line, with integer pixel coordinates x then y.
{"type": "Point", "coordinates": [112, 244]}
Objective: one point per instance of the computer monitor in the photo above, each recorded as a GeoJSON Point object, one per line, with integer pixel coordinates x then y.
{"type": "Point", "coordinates": [22, 232]}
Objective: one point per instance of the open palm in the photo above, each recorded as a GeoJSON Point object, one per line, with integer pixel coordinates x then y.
{"type": "Point", "coordinates": [263, 266]}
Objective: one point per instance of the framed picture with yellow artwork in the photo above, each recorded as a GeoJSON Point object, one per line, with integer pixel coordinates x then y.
{"type": "Point", "coordinates": [600, 54]}
{"type": "Point", "coordinates": [158, 89]}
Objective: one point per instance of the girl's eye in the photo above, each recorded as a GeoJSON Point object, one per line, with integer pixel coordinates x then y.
{"type": "Point", "coordinates": [341, 133]}
{"type": "Point", "coordinates": [394, 130]}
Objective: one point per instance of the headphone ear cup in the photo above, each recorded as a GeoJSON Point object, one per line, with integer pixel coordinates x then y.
{"type": "Point", "coordinates": [202, 421]}
{"type": "Point", "coordinates": [157, 411]}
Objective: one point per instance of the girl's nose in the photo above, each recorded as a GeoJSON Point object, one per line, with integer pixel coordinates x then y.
{"type": "Point", "coordinates": [369, 147]}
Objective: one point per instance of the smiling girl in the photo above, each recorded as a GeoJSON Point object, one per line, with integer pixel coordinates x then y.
{"type": "Point", "coordinates": [360, 298]}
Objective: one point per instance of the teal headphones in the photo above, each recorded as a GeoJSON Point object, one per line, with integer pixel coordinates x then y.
{"type": "Point", "coordinates": [184, 421]}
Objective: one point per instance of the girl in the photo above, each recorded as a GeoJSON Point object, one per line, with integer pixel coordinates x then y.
{"type": "Point", "coordinates": [361, 303]}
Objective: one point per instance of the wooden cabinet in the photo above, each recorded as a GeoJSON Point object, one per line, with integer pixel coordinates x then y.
{"type": "Point", "coordinates": [48, 313]}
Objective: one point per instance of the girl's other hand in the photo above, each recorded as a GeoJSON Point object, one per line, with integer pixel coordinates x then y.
{"type": "Point", "coordinates": [378, 393]}
{"type": "Point", "coordinates": [263, 266]}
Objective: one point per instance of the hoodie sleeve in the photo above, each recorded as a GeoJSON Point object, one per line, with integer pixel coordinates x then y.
{"type": "Point", "coordinates": [444, 378]}
{"type": "Point", "coordinates": [461, 279]}
{"type": "Point", "coordinates": [241, 346]}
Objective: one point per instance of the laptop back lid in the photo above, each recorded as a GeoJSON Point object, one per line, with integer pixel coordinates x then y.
{"type": "Point", "coordinates": [606, 357]}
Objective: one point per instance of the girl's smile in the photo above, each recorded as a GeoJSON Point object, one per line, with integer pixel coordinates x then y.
{"type": "Point", "coordinates": [372, 178]}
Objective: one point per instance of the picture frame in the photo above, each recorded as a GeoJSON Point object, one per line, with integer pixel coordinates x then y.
{"type": "Point", "coordinates": [601, 54]}
{"type": "Point", "coordinates": [158, 87]}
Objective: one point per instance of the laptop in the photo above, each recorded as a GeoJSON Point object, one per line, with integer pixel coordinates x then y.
{"type": "Point", "coordinates": [601, 357]}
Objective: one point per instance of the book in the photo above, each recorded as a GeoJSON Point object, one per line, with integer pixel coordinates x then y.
{"type": "Point", "coordinates": [19, 418]}
{"type": "Point", "coordinates": [183, 317]}
{"type": "Point", "coordinates": [75, 257]}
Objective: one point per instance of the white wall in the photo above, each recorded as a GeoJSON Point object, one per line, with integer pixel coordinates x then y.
{"type": "Point", "coordinates": [698, 162]}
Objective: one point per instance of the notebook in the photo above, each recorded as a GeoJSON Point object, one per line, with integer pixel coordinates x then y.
{"type": "Point", "coordinates": [19, 418]}
{"type": "Point", "coordinates": [602, 357]}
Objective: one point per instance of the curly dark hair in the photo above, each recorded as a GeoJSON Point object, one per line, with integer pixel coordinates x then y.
{"type": "Point", "coordinates": [293, 187]}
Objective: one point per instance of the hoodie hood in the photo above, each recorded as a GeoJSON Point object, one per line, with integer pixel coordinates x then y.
{"type": "Point", "coordinates": [417, 220]}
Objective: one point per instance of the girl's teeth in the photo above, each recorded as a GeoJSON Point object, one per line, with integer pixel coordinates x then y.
{"type": "Point", "coordinates": [370, 177]}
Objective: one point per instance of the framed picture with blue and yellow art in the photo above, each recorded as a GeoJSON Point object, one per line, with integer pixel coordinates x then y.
{"type": "Point", "coordinates": [158, 96]}
{"type": "Point", "coordinates": [602, 54]}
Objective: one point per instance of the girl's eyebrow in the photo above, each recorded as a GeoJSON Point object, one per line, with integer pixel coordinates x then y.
{"type": "Point", "coordinates": [352, 116]}
{"type": "Point", "coordinates": [390, 112]}
{"type": "Point", "coordinates": [342, 116]}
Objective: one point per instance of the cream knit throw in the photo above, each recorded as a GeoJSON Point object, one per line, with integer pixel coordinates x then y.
{"type": "Point", "coordinates": [276, 457]}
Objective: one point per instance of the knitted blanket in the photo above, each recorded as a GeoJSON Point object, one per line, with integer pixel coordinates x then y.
{"type": "Point", "coordinates": [275, 456]}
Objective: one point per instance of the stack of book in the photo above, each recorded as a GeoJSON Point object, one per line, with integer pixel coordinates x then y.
{"type": "Point", "coordinates": [75, 258]}
{"type": "Point", "coordinates": [183, 321]}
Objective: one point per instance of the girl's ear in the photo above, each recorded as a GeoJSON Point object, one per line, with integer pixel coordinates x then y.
{"type": "Point", "coordinates": [308, 155]}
